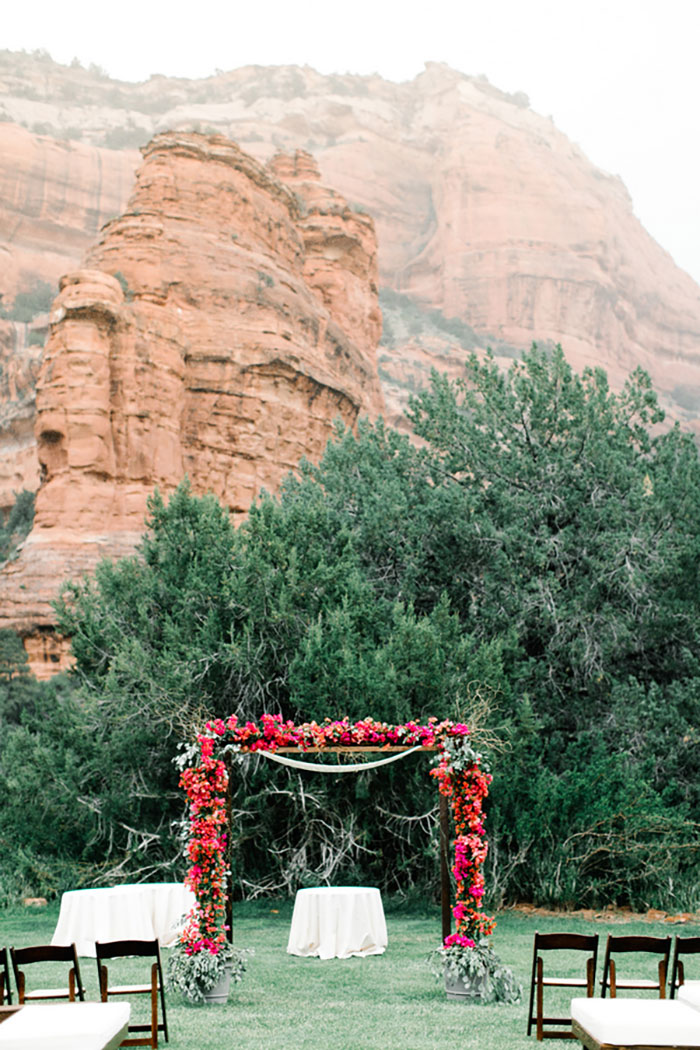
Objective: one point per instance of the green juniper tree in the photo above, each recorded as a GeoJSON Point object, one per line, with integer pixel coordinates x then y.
{"type": "Point", "coordinates": [538, 549]}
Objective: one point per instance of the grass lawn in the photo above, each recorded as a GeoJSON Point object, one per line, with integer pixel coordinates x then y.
{"type": "Point", "coordinates": [384, 1002]}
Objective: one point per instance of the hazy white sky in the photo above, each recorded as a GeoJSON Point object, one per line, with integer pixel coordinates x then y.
{"type": "Point", "coordinates": [619, 77]}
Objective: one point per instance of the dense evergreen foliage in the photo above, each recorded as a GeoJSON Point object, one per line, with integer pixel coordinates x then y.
{"type": "Point", "coordinates": [532, 566]}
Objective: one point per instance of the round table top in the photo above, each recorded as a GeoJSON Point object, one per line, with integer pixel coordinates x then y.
{"type": "Point", "coordinates": [339, 889]}
{"type": "Point", "coordinates": [122, 886]}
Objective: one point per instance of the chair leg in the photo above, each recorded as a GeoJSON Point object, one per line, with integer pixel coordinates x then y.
{"type": "Point", "coordinates": [540, 1001]}
{"type": "Point", "coordinates": [154, 1005]}
{"type": "Point", "coordinates": [104, 985]}
{"type": "Point", "coordinates": [532, 994]}
{"type": "Point", "coordinates": [679, 979]}
{"type": "Point", "coordinates": [161, 987]}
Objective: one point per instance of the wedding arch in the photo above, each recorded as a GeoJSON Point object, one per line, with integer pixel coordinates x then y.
{"type": "Point", "coordinates": [462, 786]}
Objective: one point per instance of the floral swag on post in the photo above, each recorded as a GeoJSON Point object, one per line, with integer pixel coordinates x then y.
{"type": "Point", "coordinates": [471, 968]}
{"type": "Point", "coordinates": [460, 779]}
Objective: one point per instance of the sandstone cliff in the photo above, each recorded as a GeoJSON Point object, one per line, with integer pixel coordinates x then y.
{"type": "Point", "coordinates": [485, 211]}
{"type": "Point", "coordinates": [220, 326]}
{"type": "Point", "coordinates": [494, 229]}
{"type": "Point", "coordinates": [54, 197]}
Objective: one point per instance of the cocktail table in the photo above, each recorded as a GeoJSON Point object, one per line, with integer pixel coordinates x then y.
{"type": "Point", "coordinates": [138, 911]}
{"type": "Point", "coordinates": [336, 922]}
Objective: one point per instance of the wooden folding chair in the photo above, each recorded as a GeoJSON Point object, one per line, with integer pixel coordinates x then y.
{"type": "Point", "coordinates": [5, 989]}
{"type": "Point", "coordinates": [47, 953]}
{"type": "Point", "coordinates": [545, 942]}
{"type": "Point", "coordinates": [683, 946]}
{"type": "Point", "coordinates": [154, 988]}
{"type": "Point", "coordinates": [621, 945]}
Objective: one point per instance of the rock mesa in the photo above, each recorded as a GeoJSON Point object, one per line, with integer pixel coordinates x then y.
{"type": "Point", "coordinates": [217, 330]}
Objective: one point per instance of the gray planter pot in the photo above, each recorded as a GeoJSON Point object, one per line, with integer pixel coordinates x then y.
{"type": "Point", "coordinates": [218, 993]}
{"type": "Point", "coordinates": [465, 989]}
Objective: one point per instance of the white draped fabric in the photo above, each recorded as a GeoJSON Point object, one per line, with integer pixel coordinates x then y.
{"type": "Point", "coordinates": [325, 767]}
{"type": "Point", "coordinates": [66, 1026]}
{"type": "Point", "coordinates": [337, 922]}
{"type": "Point", "coordinates": [114, 913]}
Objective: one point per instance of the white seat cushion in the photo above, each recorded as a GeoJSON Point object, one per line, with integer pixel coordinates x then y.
{"type": "Point", "coordinates": [564, 982]}
{"type": "Point", "coordinates": [690, 993]}
{"type": "Point", "coordinates": [637, 982]}
{"type": "Point", "coordinates": [66, 1026]}
{"type": "Point", "coordinates": [638, 1022]}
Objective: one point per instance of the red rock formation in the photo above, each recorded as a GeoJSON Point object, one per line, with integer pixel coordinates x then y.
{"type": "Point", "coordinates": [54, 197]}
{"type": "Point", "coordinates": [485, 212]}
{"type": "Point", "coordinates": [483, 209]}
{"type": "Point", "coordinates": [339, 245]}
{"type": "Point", "coordinates": [216, 331]}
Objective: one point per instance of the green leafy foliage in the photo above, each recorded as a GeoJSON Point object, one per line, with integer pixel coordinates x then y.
{"type": "Point", "coordinates": [193, 975]}
{"type": "Point", "coordinates": [278, 616]}
{"type": "Point", "coordinates": [531, 567]}
{"type": "Point", "coordinates": [585, 544]}
{"type": "Point", "coordinates": [476, 973]}
{"type": "Point", "coordinates": [47, 827]}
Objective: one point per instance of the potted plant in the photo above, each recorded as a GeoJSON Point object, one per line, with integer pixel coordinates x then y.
{"type": "Point", "coordinates": [472, 971]}
{"type": "Point", "coordinates": [203, 972]}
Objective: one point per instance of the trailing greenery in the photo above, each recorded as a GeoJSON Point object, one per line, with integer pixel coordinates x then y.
{"type": "Point", "coordinates": [191, 976]}
{"type": "Point", "coordinates": [476, 969]}
{"type": "Point", "coordinates": [531, 568]}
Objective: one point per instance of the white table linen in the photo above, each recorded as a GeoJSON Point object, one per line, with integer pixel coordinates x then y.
{"type": "Point", "coordinates": [115, 913]}
{"type": "Point", "coordinates": [66, 1026]}
{"type": "Point", "coordinates": [337, 922]}
{"type": "Point", "coordinates": [638, 1022]}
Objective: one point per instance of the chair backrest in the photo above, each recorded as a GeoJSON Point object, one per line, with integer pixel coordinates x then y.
{"type": "Point", "coordinates": [106, 950]}
{"type": "Point", "coordinates": [5, 988]}
{"type": "Point", "coordinates": [660, 946]}
{"type": "Point", "coordinates": [683, 946]}
{"type": "Point", "coordinates": [122, 949]}
{"type": "Point", "coordinates": [566, 941]}
{"type": "Point", "coordinates": [47, 953]}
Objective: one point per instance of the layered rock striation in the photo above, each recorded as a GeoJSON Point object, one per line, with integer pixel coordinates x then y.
{"type": "Point", "coordinates": [485, 212]}
{"type": "Point", "coordinates": [54, 197]}
{"type": "Point", "coordinates": [222, 316]}
{"type": "Point", "coordinates": [217, 330]}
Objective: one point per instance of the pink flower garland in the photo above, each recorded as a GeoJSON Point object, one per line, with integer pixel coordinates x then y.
{"type": "Point", "coordinates": [206, 783]}
{"type": "Point", "coordinates": [466, 790]}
